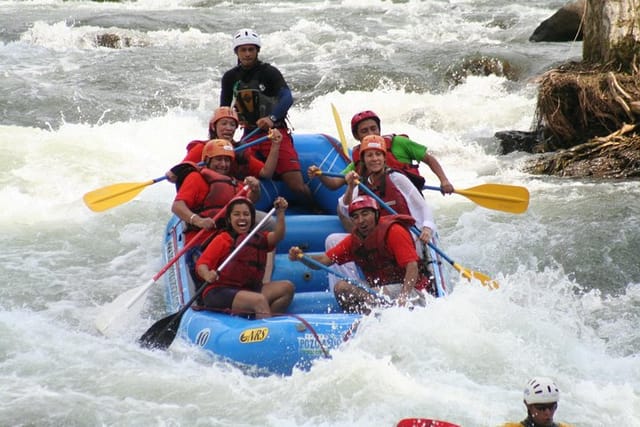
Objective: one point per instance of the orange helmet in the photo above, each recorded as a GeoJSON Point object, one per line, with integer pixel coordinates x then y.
{"type": "Point", "coordinates": [218, 147]}
{"type": "Point", "coordinates": [222, 113]}
{"type": "Point", "coordinates": [373, 142]}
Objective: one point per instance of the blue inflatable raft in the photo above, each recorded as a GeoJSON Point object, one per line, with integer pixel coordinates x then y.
{"type": "Point", "coordinates": [314, 323]}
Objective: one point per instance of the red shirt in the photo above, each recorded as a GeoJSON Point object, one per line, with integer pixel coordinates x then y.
{"type": "Point", "coordinates": [399, 242]}
{"type": "Point", "coordinates": [194, 153]}
{"type": "Point", "coordinates": [193, 191]}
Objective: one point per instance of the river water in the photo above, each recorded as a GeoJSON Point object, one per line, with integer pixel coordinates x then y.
{"type": "Point", "coordinates": [75, 117]}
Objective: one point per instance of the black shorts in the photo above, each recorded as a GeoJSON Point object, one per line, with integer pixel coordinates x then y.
{"type": "Point", "coordinates": [221, 298]}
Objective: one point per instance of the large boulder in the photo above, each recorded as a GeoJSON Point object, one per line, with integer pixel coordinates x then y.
{"type": "Point", "coordinates": [562, 26]}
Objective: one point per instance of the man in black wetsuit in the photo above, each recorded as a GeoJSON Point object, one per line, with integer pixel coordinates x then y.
{"type": "Point", "coordinates": [262, 98]}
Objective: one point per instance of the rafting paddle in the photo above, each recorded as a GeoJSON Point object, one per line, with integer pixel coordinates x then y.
{"type": "Point", "coordinates": [343, 139]}
{"type": "Point", "coordinates": [162, 333]}
{"type": "Point", "coordinates": [466, 273]}
{"type": "Point", "coordinates": [500, 197]}
{"type": "Point", "coordinates": [116, 194]}
{"type": "Point", "coordinates": [129, 304]}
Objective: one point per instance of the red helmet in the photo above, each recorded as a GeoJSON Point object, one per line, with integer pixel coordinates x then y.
{"type": "Point", "coordinates": [363, 115]}
{"type": "Point", "coordinates": [363, 202]}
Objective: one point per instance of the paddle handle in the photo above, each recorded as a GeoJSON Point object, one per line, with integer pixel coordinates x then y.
{"type": "Point", "coordinates": [250, 134]}
{"type": "Point", "coordinates": [354, 282]}
{"type": "Point", "coordinates": [251, 144]}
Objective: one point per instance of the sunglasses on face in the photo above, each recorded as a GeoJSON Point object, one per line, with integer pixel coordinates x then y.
{"type": "Point", "coordinates": [540, 407]}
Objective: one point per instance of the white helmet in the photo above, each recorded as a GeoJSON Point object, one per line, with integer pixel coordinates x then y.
{"type": "Point", "coordinates": [246, 36]}
{"type": "Point", "coordinates": [541, 390]}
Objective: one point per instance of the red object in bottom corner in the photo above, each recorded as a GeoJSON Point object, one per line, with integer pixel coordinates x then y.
{"type": "Point", "coordinates": [424, 422]}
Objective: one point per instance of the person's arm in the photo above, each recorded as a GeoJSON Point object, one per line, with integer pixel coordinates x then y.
{"type": "Point", "coordinates": [402, 247]}
{"type": "Point", "coordinates": [187, 197]}
{"type": "Point", "coordinates": [331, 182]}
{"type": "Point", "coordinates": [254, 188]}
{"type": "Point", "coordinates": [183, 212]}
{"type": "Point", "coordinates": [418, 207]}
{"type": "Point", "coordinates": [405, 150]}
{"type": "Point", "coordinates": [271, 162]}
{"type": "Point", "coordinates": [277, 234]}
{"type": "Point", "coordinates": [409, 282]}
{"type": "Point", "coordinates": [295, 255]}
{"type": "Point", "coordinates": [275, 86]}
{"type": "Point", "coordinates": [343, 204]}
{"type": "Point", "coordinates": [353, 179]}
{"type": "Point", "coordinates": [285, 101]}
{"type": "Point", "coordinates": [226, 88]}
{"type": "Point", "coordinates": [212, 256]}
{"type": "Point", "coordinates": [435, 167]}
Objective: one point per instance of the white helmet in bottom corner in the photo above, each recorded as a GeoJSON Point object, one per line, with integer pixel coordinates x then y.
{"type": "Point", "coordinates": [246, 36]}
{"type": "Point", "coordinates": [541, 390]}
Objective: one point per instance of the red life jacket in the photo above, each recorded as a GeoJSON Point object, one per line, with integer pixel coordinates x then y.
{"type": "Point", "coordinates": [389, 193]}
{"type": "Point", "coordinates": [222, 188]}
{"type": "Point", "coordinates": [409, 169]}
{"type": "Point", "coordinates": [246, 269]}
{"type": "Point", "coordinates": [376, 260]}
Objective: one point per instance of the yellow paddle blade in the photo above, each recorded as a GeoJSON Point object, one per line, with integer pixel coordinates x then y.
{"type": "Point", "coordinates": [343, 140]}
{"type": "Point", "coordinates": [502, 197]}
{"type": "Point", "coordinates": [470, 274]}
{"type": "Point", "coordinates": [113, 195]}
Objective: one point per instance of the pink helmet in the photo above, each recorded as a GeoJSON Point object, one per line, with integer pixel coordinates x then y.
{"type": "Point", "coordinates": [363, 202]}
{"type": "Point", "coordinates": [363, 115]}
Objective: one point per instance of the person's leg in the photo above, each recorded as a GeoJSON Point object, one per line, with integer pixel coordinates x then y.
{"type": "Point", "coordinates": [279, 295]}
{"type": "Point", "coordinates": [289, 171]}
{"type": "Point", "coordinates": [294, 180]}
{"type": "Point", "coordinates": [352, 299]}
{"type": "Point", "coordinates": [268, 268]}
{"type": "Point", "coordinates": [253, 302]}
